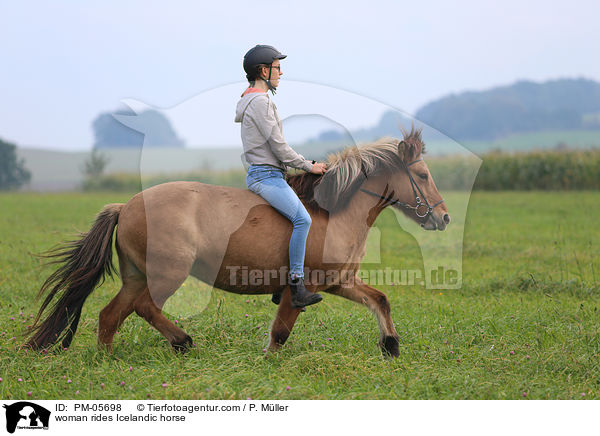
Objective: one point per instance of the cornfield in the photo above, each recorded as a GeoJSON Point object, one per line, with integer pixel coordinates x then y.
{"type": "Point", "coordinates": [537, 170]}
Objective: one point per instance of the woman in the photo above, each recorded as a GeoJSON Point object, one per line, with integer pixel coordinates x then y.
{"type": "Point", "coordinates": [269, 156]}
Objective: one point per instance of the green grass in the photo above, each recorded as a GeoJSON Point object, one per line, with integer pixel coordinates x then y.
{"type": "Point", "coordinates": [531, 285]}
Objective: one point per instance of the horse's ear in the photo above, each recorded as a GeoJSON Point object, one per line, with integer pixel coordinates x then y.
{"type": "Point", "coordinates": [405, 150]}
{"type": "Point", "coordinates": [402, 148]}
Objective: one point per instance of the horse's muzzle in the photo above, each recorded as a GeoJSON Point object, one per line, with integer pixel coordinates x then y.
{"type": "Point", "coordinates": [436, 222]}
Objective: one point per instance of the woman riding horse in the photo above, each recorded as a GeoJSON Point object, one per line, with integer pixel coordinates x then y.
{"type": "Point", "coordinates": [268, 154]}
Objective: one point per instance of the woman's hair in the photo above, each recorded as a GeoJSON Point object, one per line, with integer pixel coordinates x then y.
{"type": "Point", "coordinates": [252, 77]}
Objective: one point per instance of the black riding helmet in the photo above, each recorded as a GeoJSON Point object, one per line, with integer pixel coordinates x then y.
{"type": "Point", "coordinates": [261, 55]}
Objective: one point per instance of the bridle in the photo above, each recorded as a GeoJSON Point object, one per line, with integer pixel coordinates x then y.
{"type": "Point", "coordinates": [415, 188]}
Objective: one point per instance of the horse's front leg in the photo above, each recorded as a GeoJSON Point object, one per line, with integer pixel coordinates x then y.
{"type": "Point", "coordinates": [378, 303]}
{"type": "Point", "coordinates": [284, 320]}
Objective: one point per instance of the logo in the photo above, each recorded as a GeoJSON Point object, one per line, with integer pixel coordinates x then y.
{"type": "Point", "coordinates": [26, 415]}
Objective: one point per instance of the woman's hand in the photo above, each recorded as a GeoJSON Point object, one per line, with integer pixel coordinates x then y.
{"type": "Point", "coordinates": [319, 168]}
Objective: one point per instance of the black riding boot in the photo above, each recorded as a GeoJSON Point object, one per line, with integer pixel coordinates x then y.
{"type": "Point", "coordinates": [300, 295]}
{"type": "Point", "coordinates": [276, 298]}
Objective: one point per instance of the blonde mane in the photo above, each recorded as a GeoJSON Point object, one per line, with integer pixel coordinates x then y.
{"type": "Point", "coordinates": [349, 168]}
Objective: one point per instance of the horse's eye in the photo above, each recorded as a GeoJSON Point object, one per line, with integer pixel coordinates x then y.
{"type": "Point", "coordinates": [423, 176]}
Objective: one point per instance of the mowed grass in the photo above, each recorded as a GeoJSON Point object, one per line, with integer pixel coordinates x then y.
{"type": "Point", "coordinates": [523, 326]}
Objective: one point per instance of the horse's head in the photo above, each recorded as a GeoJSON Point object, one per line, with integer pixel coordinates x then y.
{"type": "Point", "coordinates": [411, 188]}
{"type": "Point", "coordinates": [392, 171]}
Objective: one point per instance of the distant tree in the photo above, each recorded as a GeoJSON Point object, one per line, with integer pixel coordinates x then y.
{"type": "Point", "coordinates": [13, 173]}
{"type": "Point", "coordinates": [158, 132]}
{"type": "Point", "coordinates": [95, 165]}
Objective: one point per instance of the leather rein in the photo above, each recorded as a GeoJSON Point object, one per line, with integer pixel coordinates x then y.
{"type": "Point", "coordinates": [417, 193]}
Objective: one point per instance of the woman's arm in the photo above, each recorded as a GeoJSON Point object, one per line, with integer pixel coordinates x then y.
{"type": "Point", "coordinates": [264, 116]}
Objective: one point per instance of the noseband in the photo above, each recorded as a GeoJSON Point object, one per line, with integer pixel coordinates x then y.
{"type": "Point", "coordinates": [416, 191]}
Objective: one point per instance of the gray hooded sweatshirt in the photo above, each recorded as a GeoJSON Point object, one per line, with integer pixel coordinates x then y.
{"type": "Point", "coordinates": [262, 134]}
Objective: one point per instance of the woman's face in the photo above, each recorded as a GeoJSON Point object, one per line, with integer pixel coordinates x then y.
{"type": "Point", "coordinates": [275, 73]}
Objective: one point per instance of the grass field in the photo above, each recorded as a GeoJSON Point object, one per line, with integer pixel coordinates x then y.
{"type": "Point", "coordinates": [523, 326]}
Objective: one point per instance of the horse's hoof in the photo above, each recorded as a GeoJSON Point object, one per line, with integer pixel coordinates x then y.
{"type": "Point", "coordinates": [105, 348]}
{"type": "Point", "coordinates": [390, 346]}
{"type": "Point", "coordinates": [183, 345]}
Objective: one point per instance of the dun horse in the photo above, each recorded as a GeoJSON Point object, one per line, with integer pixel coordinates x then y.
{"type": "Point", "coordinates": [214, 233]}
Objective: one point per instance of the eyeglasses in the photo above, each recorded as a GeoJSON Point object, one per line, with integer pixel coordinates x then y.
{"type": "Point", "coordinates": [278, 67]}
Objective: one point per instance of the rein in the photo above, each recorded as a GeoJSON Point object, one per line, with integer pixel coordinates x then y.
{"type": "Point", "coordinates": [415, 187]}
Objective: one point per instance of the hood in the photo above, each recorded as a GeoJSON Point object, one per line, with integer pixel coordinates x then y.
{"type": "Point", "coordinates": [242, 105]}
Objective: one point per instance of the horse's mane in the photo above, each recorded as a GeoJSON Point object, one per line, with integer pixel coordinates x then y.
{"type": "Point", "coordinates": [349, 168]}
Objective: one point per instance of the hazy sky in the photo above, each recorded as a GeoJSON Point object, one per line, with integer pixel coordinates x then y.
{"type": "Point", "coordinates": [63, 62]}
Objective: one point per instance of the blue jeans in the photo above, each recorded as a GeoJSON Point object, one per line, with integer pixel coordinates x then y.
{"type": "Point", "coordinates": [269, 182]}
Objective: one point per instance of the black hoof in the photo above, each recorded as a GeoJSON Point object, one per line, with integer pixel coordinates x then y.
{"type": "Point", "coordinates": [183, 345]}
{"type": "Point", "coordinates": [390, 346]}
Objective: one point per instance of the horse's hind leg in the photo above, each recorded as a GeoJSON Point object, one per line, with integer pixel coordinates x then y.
{"type": "Point", "coordinates": [147, 308]}
{"type": "Point", "coordinates": [120, 307]}
{"type": "Point", "coordinates": [378, 303]}
{"type": "Point", "coordinates": [284, 321]}
{"type": "Point", "coordinates": [165, 272]}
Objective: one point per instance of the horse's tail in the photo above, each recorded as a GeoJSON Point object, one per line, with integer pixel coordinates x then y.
{"type": "Point", "coordinates": [85, 263]}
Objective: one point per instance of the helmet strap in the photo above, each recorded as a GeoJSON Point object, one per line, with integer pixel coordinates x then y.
{"type": "Point", "coordinates": [271, 87]}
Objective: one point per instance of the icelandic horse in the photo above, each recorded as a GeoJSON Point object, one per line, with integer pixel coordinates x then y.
{"type": "Point", "coordinates": [172, 230]}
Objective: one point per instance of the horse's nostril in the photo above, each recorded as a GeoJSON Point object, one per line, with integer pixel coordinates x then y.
{"type": "Point", "coordinates": [447, 218]}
